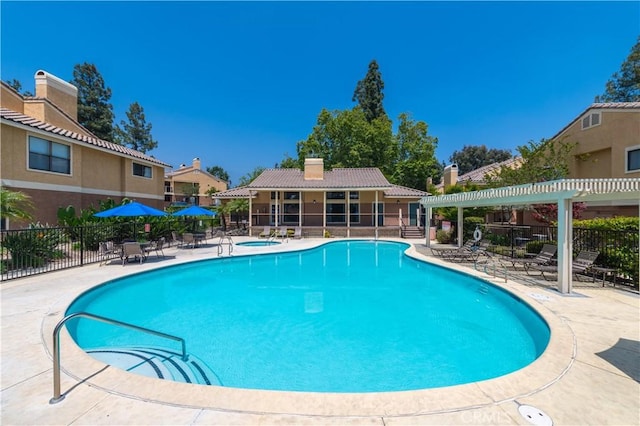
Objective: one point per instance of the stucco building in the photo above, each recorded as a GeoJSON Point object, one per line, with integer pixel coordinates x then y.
{"type": "Point", "coordinates": [191, 185]}
{"type": "Point", "coordinates": [48, 155]}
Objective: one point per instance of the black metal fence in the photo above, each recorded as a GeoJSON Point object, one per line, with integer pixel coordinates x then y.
{"type": "Point", "coordinates": [618, 250]}
{"type": "Point", "coordinates": [33, 251]}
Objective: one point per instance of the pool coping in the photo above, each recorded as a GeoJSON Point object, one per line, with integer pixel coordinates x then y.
{"type": "Point", "coordinates": [550, 367]}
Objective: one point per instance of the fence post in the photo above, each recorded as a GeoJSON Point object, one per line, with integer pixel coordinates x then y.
{"type": "Point", "coordinates": [81, 245]}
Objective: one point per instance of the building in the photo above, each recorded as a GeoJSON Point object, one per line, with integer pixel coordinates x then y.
{"type": "Point", "coordinates": [191, 185]}
{"type": "Point", "coordinates": [48, 155]}
{"type": "Point", "coordinates": [349, 202]}
{"type": "Point", "coordinates": [607, 145]}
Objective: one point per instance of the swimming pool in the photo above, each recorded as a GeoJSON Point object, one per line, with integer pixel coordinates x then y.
{"type": "Point", "coordinates": [356, 316]}
{"type": "Point", "coordinates": [258, 243]}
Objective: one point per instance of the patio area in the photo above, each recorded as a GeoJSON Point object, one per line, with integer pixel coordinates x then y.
{"type": "Point", "coordinates": [589, 374]}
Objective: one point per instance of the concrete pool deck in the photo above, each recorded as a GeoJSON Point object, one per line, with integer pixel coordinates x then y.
{"type": "Point", "coordinates": [589, 374]}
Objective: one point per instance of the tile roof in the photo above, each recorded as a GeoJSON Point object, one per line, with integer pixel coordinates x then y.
{"type": "Point", "coordinates": [478, 175]}
{"type": "Point", "coordinates": [25, 120]}
{"type": "Point", "coordinates": [239, 192]}
{"type": "Point", "coordinates": [403, 191]}
{"type": "Point", "coordinates": [339, 178]}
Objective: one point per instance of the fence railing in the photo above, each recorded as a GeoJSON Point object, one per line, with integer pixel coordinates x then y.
{"type": "Point", "coordinates": [33, 251]}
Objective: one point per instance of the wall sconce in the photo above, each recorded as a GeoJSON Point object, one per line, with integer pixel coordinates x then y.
{"type": "Point", "coordinates": [314, 201]}
{"type": "Point", "coordinates": [397, 201]}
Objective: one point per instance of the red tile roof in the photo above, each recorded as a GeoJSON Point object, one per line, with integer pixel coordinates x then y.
{"type": "Point", "coordinates": [25, 120]}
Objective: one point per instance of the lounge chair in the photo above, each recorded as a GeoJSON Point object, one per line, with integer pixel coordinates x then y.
{"type": "Point", "coordinates": [469, 253]}
{"type": "Point", "coordinates": [449, 252]}
{"type": "Point", "coordinates": [132, 250]}
{"type": "Point", "coordinates": [266, 233]}
{"type": "Point", "coordinates": [581, 264]}
{"type": "Point", "coordinates": [297, 233]}
{"type": "Point", "coordinates": [545, 257]}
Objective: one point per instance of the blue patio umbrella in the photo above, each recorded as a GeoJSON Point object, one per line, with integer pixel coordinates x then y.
{"type": "Point", "coordinates": [194, 211]}
{"type": "Point", "coordinates": [134, 208]}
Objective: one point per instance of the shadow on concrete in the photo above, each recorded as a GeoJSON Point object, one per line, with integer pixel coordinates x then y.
{"type": "Point", "coordinates": [624, 356]}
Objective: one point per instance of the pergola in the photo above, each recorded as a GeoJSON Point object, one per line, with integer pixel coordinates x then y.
{"type": "Point", "coordinates": [563, 192]}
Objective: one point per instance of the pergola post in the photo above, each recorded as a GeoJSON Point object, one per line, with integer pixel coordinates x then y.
{"type": "Point", "coordinates": [565, 245]}
{"type": "Point", "coordinates": [460, 226]}
{"type": "Point", "coordinates": [427, 226]}
{"type": "Point", "coordinates": [250, 216]}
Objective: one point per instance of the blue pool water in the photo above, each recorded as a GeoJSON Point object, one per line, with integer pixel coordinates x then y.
{"type": "Point", "coordinates": [258, 243]}
{"type": "Point", "coordinates": [356, 316]}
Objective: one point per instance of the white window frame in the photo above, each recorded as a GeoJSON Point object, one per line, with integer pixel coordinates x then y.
{"type": "Point", "coordinates": [589, 118]}
{"type": "Point", "coordinates": [626, 158]}
{"type": "Point", "coordinates": [133, 170]}
{"type": "Point", "coordinates": [50, 142]}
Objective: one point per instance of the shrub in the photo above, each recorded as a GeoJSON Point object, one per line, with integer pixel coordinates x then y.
{"type": "Point", "coordinates": [32, 248]}
{"type": "Point", "coordinates": [444, 237]}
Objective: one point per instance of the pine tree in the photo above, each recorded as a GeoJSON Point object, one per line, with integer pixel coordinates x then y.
{"type": "Point", "coordinates": [624, 86]}
{"type": "Point", "coordinates": [369, 94]}
{"type": "Point", "coordinates": [136, 134]}
{"type": "Point", "coordinates": [94, 110]}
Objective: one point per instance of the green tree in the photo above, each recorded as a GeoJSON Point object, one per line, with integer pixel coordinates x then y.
{"type": "Point", "coordinates": [94, 110]}
{"type": "Point", "coordinates": [472, 157]}
{"type": "Point", "coordinates": [136, 133]}
{"type": "Point", "coordinates": [289, 163]}
{"type": "Point", "coordinates": [250, 177]}
{"type": "Point", "coordinates": [17, 86]}
{"type": "Point", "coordinates": [347, 139]}
{"type": "Point", "coordinates": [368, 93]}
{"type": "Point", "coordinates": [416, 154]}
{"type": "Point", "coordinates": [220, 173]}
{"type": "Point", "coordinates": [15, 205]}
{"type": "Point", "coordinates": [624, 86]}
{"type": "Point", "coordinates": [541, 161]}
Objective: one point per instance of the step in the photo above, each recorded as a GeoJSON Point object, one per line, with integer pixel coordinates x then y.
{"type": "Point", "coordinates": [159, 363]}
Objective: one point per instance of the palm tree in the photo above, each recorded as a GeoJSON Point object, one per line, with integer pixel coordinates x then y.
{"type": "Point", "coordinates": [15, 205]}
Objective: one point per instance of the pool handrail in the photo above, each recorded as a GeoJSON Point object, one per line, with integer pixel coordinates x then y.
{"type": "Point", "coordinates": [57, 397]}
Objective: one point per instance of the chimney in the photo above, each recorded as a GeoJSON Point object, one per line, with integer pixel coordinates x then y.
{"type": "Point", "coordinates": [313, 169]}
{"type": "Point", "coordinates": [450, 177]}
{"type": "Point", "coordinates": [60, 93]}
{"type": "Point", "coordinates": [196, 163]}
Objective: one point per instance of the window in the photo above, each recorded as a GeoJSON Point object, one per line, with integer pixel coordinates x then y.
{"type": "Point", "coordinates": [290, 213]}
{"type": "Point", "coordinates": [336, 213]}
{"type": "Point", "coordinates": [291, 195]}
{"type": "Point", "coordinates": [590, 120]}
{"type": "Point", "coordinates": [49, 156]}
{"type": "Point", "coordinates": [141, 170]}
{"type": "Point", "coordinates": [354, 210]}
{"type": "Point", "coordinates": [335, 195]}
{"type": "Point", "coordinates": [632, 159]}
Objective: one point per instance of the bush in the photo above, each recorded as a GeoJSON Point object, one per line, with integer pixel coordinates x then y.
{"type": "Point", "coordinates": [444, 237]}
{"type": "Point", "coordinates": [32, 249]}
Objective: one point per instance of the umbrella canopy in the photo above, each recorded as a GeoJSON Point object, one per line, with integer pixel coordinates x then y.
{"type": "Point", "coordinates": [134, 208]}
{"type": "Point", "coordinates": [194, 211]}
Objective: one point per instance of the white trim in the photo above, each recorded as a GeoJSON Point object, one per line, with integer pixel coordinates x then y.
{"type": "Point", "coordinates": [626, 158]}
{"type": "Point", "coordinates": [43, 77]}
{"type": "Point", "coordinates": [76, 189]}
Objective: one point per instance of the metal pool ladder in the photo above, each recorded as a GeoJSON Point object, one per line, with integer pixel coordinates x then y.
{"type": "Point", "coordinates": [225, 240]}
{"type": "Point", "coordinates": [57, 396]}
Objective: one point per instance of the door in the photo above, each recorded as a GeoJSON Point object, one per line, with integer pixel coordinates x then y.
{"type": "Point", "coordinates": [413, 214]}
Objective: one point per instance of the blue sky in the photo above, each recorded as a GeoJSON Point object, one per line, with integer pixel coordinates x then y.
{"type": "Point", "coordinates": [238, 84]}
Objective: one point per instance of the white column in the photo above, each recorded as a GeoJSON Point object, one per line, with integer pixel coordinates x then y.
{"type": "Point", "coordinates": [375, 209]}
{"type": "Point", "coordinates": [427, 226]}
{"type": "Point", "coordinates": [250, 216]}
{"type": "Point", "coordinates": [565, 245]}
{"type": "Point", "coordinates": [400, 223]}
{"type": "Point", "coordinates": [300, 205]}
{"type": "Point", "coordinates": [460, 226]}
{"type": "Point", "coordinates": [348, 210]}
{"type": "Point", "coordinates": [275, 220]}
{"type": "Point", "coordinates": [324, 212]}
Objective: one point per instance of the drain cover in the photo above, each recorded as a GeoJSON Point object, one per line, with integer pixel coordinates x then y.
{"type": "Point", "coordinates": [535, 416]}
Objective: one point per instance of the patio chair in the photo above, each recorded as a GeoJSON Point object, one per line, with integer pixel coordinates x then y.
{"type": "Point", "coordinates": [297, 233]}
{"type": "Point", "coordinates": [177, 238]}
{"type": "Point", "coordinates": [107, 251]}
{"type": "Point", "coordinates": [283, 233]}
{"type": "Point", "coordinates": [156, 246]}
{"type": "Point", "coordinates": [266, 233]}
{"type": "Point", "coordinates": [545, 257]}
{"type": "Point", "coordinates": [188, 240]}
{"type": "Point", "coordinates": [132, 250]}
{"type": "Point", "coordinates": [583, 262]}
{"type": "Point", "coordinates": [469, 253]}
